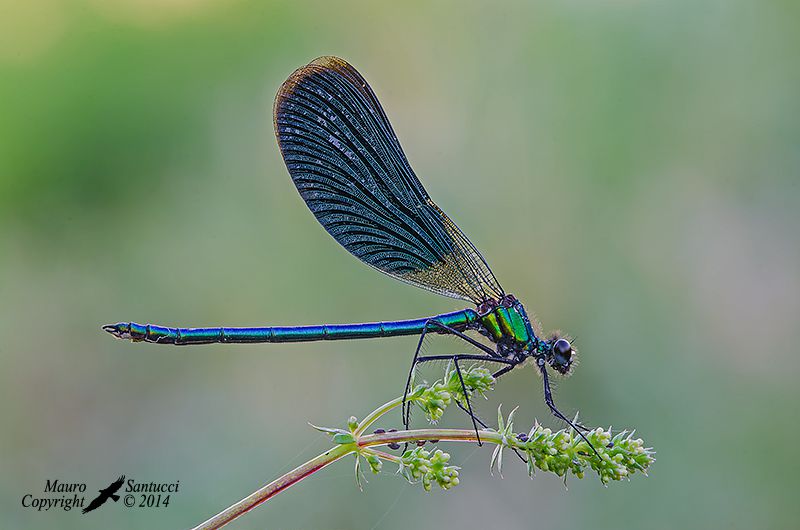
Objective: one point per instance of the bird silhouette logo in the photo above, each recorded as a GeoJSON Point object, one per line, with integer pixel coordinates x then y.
{"type": "Point", "coordinates": [105, 494]}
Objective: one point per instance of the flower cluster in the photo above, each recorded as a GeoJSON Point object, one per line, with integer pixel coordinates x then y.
{"type": "Point", "coordinates": [419, 465]}
{"type": "Point", "coordinates": [612, 457]}
{"type": "Point", "coordinates": [563, 452]}
{"type": "Point", "coordinates": [559, 452]}
{"type": "Point", "coordinates": [477, 379]}
{"type": "Point", "coordinates": [434, 398]}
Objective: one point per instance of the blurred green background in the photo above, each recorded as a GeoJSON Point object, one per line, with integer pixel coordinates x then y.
{"type": "Point", "coordinates": [629, 169]}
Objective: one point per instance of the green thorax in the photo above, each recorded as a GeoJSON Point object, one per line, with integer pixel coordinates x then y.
{"type": "Point", "coordinates": [507, 323]}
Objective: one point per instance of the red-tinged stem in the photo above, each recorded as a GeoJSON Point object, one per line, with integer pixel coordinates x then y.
{"type": "Point", "coordinates": [312, 466]}
{"type": "Point", "coordinates": [445, 435]}
{"type": "Point", "coordinates": [273, 488]}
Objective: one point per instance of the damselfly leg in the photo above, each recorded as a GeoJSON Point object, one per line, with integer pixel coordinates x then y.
{"type": "Point", "coordinates": [464, 357]}
{"type": "Point", "coordinates": [503, 371]}
{"type": "Point", "coordinates": [548, 399]}
{"type": "Point", "coordinates": [431, 325]}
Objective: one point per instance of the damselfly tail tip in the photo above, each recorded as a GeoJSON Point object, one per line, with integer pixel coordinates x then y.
{"type": "Point", "coordinates": [119, 330]}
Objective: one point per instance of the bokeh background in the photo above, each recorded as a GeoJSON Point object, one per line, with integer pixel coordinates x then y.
{"type": "Point", "coordinates": [629, 168]}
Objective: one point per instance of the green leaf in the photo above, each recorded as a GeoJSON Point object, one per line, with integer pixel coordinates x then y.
{"type": "Point", "coordinates": [328, 430]}
{"type": "Point", "coordinates": [500, 424]}
{"type": "Point", "coordinates": [343, 438]}
{"type": "Point", "coordinates": [359, 475]}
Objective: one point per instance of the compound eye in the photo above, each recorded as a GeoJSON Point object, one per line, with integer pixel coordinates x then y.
{"type": "Point", "coordinates": [562, 352]}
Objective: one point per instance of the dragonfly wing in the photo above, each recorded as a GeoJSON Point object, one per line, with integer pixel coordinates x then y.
{"type": "Point", "coordinates": [349, 168]}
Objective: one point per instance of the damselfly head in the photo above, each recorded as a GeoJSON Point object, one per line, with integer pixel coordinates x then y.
{"type": "Point", "coordinates": [562, 354]}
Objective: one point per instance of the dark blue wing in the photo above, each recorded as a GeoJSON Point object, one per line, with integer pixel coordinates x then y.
{"type": "Point", "coordinates": [348, 166]}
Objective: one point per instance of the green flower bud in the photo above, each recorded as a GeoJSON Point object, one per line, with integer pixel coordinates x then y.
{"type": "Point", "coordinates": [352, 423]}
{"type": "Point", "coordinates": [375, 463]}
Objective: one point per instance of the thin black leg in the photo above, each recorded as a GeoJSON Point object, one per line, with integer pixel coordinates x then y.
{"type": "Point", "coordinates": [403, 412]}
{"type": "Point", "coordinates": [466, 398]}
{"type": "Point", "coordinates": [548, 399]}
{"type": "Point", "coordinates": [483, 424]}
{"type": "Point", "coordinates": [429, 325]}
{"type": "Point", "coordinates": [455, 358]}
{"type": "Point", "coordinates": [474, 417]}
{"type": "Point", "coordinates": [503, 371]}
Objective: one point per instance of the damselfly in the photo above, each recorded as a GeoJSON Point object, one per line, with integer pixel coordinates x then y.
{"type": "Point", "coordinates": [349, 168]}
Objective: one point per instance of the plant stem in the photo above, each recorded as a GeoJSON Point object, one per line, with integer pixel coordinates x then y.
{"type": "Point", "coordinates": [557, 452]}
{"type": "Point", "coordinates": [299, 473]}
{"type": "Point", "coordinates": [276, 486]}
{"type": "Point", "coordinates": [445, 435]}
{"type": "Point", "coordinates": [377, 413]}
